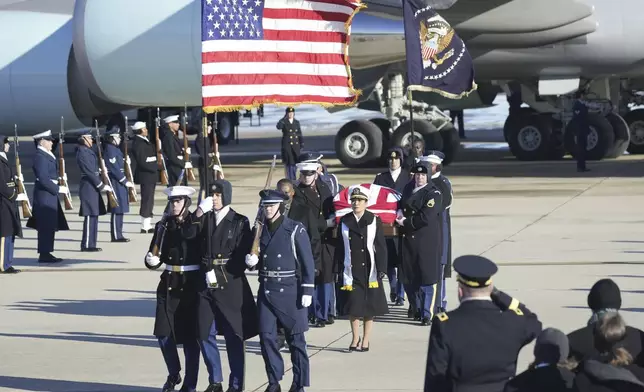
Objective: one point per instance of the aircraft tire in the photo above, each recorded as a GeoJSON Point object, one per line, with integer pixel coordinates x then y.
{"type": "Point", "coordinates": [451, 143]}
{"type": "Point", "coordinates": [385, 128]}
{"type": "Point", "coordinates": [529, 137]}
{"type": "Point", "coordinates": [358, 143]}
{"type": "Point", "coordinates": [225, 129]}
{"type": "Point", "coordinates": [622, 135]}
{"type": "Point", "coordinates": [601, 137]}
{"type": "Point", "coordinates": [635, 121]}
{"type": "Point", "coordinates": [433, 138]}
{"type": "Point", "coordinates": [513, 117]}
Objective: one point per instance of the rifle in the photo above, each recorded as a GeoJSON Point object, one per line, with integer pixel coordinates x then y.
{"type": "Point", "coordinates": [26, 206]}
{"type": "Point", "coordinates": [219, 174]}
{"type": "Point", "coordinates": [186, 155]}
{"type": "Point", "coordinates": [105, 178]}
{"type": "Point", "coordinates": [259, 220]}
{"type": "Point", "coordinates": [163, 171]}
{"type": "Point", "coordinates": [128, 168]}
{"type": "Point", "coordinates": [158, 243]}
{"type": "Point", "coordinates": [62, 176]}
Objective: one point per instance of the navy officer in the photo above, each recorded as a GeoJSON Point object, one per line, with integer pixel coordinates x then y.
{"type": "Point", "coordinates": [292, 142]}
{"type": "Point", "coordinates": [115, 164]}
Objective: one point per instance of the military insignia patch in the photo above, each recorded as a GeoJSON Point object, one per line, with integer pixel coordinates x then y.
{"type": "Point", "coordinates": [442, 316]}
{"type": "Point", "coordinates": [393, 154]}
{"type": "Point", "coordinates": [431, 203]}
{"type": "Point", "coordinates": [113, 160]}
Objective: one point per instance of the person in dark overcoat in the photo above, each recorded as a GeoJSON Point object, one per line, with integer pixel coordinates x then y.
{"type": "Point", "coordinates": [226, 303]}
{"type": "Point", "coordinates": [362, 258]}
{"type": "Point", "coordinates": [416, 151]}
{"type": "Point", "coordinates": [292, 142]}
{"type": "Point", "coordinates": [173, 151]}
{"type": "Point", "coordinates": [395, 178]}
{"type": "Point", "coordinates": [47, 213]}
{"type": "Point", "coordinates": [419, 218]}
{"type": "Point", "coordinates": [286, 275]}
{"type": "Point", "coordinates": [10, 227]}
{"type": "Point", "coordinates": [205, 159]}
{"type": "Point", "coordinates": [115, 164]}
{"type": "Point", "coordinates": [175, 243]}
{"type": "Point", "coordinates": [146, 173]}
{"type": "Point", "coordinates": [89, 192]}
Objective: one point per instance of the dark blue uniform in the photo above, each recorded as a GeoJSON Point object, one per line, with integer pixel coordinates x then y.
{"type": "Point", "coordinates": [292, 143]}
{"type": "Point", "coordinates": [89, 192]}
{"type": "Point", "coordinates": [445, 269]}
{"type": "Point", "coordinates": [580, 113]}
{"type": "Point", "coordinates": [9, 219]}
{"type": "Point", "coordinates": [115, 164]}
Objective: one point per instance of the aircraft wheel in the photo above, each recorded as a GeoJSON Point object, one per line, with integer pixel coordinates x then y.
{"type": "Point", "coordinates": [451, 141]}
{"type": "Point", "coordinates": [385, 128]}
{"type": "Point", "coordinates": [635, 121]}
{"type": "Point", "coordinates": [225, 129]}
{"type": "Point", "coordinates": [622, 135]}
{"type": "Point", "coordinates": [521, 112]}
{"type": "Point", "coordinates": [529, 137]}
{"type": "Point", "coordinates": [358, 143]}
{"type": "Point", "coordinates": [601, 137]}
{"type": "Point", "coordinates": [402, 135]}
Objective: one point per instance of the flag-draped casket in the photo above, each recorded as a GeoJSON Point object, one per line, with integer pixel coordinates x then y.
{"type": "Point", "coordinates": [383, 201]}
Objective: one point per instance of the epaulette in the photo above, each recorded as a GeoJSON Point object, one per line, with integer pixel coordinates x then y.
{"type": "Point", "coordinates": [442, 316]}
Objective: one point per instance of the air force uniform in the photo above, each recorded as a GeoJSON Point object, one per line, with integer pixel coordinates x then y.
{"type": "Point", "coordinates": [146, 174]}
{"type": "Point", "coordinates": [115, 164]}
{"type": "Point", "coordinates": [10, 227]}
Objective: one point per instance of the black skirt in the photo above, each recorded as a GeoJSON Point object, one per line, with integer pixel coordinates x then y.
{"type": "Point", "coordinates": [363, 301]}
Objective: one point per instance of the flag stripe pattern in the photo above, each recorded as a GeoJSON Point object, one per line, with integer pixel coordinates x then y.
{"type": "Point", "coordinates": [383, 201]}
{"type": "Point", "coordinates": [276, 51]}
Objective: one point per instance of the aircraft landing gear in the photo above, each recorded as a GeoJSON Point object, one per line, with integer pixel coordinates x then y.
{"type": "Point", "coordinates": [635, 121]}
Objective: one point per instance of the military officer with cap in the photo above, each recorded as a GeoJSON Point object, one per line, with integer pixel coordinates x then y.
{"type": "Point", "coordinates": [475, 347]}
{"type": "Point", "coordinates": [10, 227]}
{"type": "Point", "coordinates": [226, 303]}
{"type": "Point", "coordinates": [419, 218]}
{"type": "Point", "coordinates": [146, 173]}
{"type": "Point", "coordinates": [329, 179]}
{"type": "Point", "coordinates": [115, 164]}
{"type": "Point", "coordinates": [172, 149]}
{"type": "Point", "coordinates": [292, 142]}
{"type": "Point", "coordinates": [286, 274]}
{"type": "Point", "coordinates": [89, 191]}
{"type": "Point", "coordinates": [175, 243]}
{"type": "Point", "coordinates": [47, 213]}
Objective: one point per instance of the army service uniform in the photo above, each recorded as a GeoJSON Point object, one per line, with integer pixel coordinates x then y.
{"type": "Point", "coordinates": [89, 192]}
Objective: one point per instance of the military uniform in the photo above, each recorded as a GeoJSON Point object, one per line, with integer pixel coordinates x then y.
{"type": "Point", "coordinates": [47, 214]}
{"type": "Point", "coordinates": [226, 303]}
{"type": "Point", "coordinates": [10, 227]}
{"type": "Point", "coordinates": [286, 275]}
{"type": "Point", "coordinates": [292, 143]}
{"type": "Point", "coordinates": [475, 347]}
{"type": "Point", "coordinates": [115, 164]}
{"type": "Point", "coordinates": [89, 192]}
{"type": "Point", "coordinates": [146, 174]}
{"type": "Point", "coordinates": [177, 292]}
{"type": "Point", "coordinates": [205, 158]}
{"type": "Point", "coordinates": [172, 149]}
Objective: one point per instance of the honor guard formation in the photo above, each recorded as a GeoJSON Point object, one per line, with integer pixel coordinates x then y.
{"type": "Point", "coordinates": [315, 262]}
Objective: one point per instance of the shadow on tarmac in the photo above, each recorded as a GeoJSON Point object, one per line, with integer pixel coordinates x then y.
{"type": "Point", "coordinates": [43, 385]}
{"type": "Point", "coordinates": [137, 307]}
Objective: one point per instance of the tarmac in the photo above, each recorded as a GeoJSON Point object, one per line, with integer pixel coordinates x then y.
{"type": "Point", "coordinates": [86, 325]}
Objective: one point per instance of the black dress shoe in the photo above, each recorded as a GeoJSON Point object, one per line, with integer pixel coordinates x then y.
{"type": "Point", "coordinates": [144, 231]}
{"type": "Point", "coordinates": [121, 240]}
{"type": "Point", "coordinates": [355, 348]}
{"type": "Point", "coordinates": [393, 297]}
{"type": "Point", "coordinates": [330, 321]}
{"type": "Point", "coordinates": [320, 323]}
{"type": "Point", "coordinates": [216, 387]}
{"type": "Point", "coordinates": [295, 388]}
{"type": "Point", "coordinates": [150, 231]}
{"type": "Point", "coordinates": [233, 389]}
{"type": "Point", "coordinates": [400, 302]}
{"type": "Point", "coordinates": [417, 316]}
{"type": "Point", "coordinates": [48, 258]}
{"type": "Point", "coordinates": [273, 388]}
{"type": "Point", "coordinates": [410, 313]}
{"type": "Point", "coordinates": [91, 250]}
{"type": "Point", "coordinates": [426, 321]}
{"type": "Point", "coordinates": [187, 389]}
{"type": "Point", "coordinates": [10, 270]}
{"type": "Point", "coordinates": [171, 382]}
{"type": "Point", "coordinates": [365, 349]}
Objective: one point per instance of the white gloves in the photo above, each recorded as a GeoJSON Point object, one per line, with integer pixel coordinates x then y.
{"type": "Point", "coordinates": [217, 154]}
{"type": "Point", "coordinates": [129, 184]}
{"type": "Point", "coordinates": [330, 222]}
{"type": "Point", "coordinates": [63, 189]}
{"type": "Point", "coordinates": [22, 197]}
{"type": "Point", "coordinates": [306, 300]}
{"type": "Point", "coordinates": [251, 260]}
{"type": "Point", "coordinates": [152, 260]}
{"type": "Point", "coordinates": [206, 205]}
{"type": "Point", "coordinates": [106, 189]}
{"type": "Point", "coordinates": [127, 160]}
{"type": "Point", "coordinates": [401, 220]}
{"type": "Point", "coordinates": [211, 278]}
{"type": "Point", "coordinates": [217, 168]}
{"type": "Point", "coordinates": [188, 165]}
{"type": "Point", "coordinates": [188, 150]}
{"type": "Point", "coordinates": [20, 178]}
{"type": "Point", "coordinates": [65, 176]}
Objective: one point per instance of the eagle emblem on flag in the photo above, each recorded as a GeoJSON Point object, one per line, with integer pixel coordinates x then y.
{"type": "Point", "coordinates": [435, 38]}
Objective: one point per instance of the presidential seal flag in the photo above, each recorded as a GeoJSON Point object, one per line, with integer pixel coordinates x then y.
{"type": "Point", "coordinates": [286, 52]}
{"type": "Point", "coordinates": [437, 59]}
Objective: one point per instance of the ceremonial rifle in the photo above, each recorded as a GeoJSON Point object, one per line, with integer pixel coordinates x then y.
{"type": "Point", "coordinates": [128, 168]}
{"type": "Point", "coordinates": [216, 162]}
{"type": "Point", "coordinates": [105, 178]}
{"type": "Point", "coordinates": [259, 220]}
{"type": "Point", "coordinates": [186, 155]}
{"type": "Point", "coordinates": [24, 204]}
{"type": "Point", "coordinates": [158, 243]}
{"type": "Point", "coordinates": [163, 171]}
{"type": "Point", "coordinates": [62, 176]}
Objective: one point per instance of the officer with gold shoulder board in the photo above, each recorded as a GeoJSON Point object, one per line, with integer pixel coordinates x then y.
{"type": "Point", "coordinates": [463, 361]}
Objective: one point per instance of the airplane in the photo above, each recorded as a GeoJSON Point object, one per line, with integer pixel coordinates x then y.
{"type": "Point", "coordinates": [93, 59]}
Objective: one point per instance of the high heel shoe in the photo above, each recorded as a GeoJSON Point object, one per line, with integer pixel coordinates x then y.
{"type": "Point", "coordinates": [365, 349]}
{"type": "Point", "coordinates": [355, 348]}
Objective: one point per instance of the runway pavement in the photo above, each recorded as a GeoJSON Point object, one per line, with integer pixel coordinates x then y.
{"type": "Point", "coordinates": [86, 325]}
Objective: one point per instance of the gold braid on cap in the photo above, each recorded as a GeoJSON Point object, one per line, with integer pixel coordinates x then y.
{"type": "Point", "coordinates": [472, 283]}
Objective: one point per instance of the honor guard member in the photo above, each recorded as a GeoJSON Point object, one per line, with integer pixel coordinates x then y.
{"type": "Point", "coordinates": [47, 214]}
{"type": "Point", "coordinates": [10, 227]}
{"type": "Point", "coordinates": [286, 274]}
{"type": "Point", "coordinates": [146, 173]}
{"type": "Point", "coordinates": [395, 178]}
{"type": "Point", "coordinates": [226, 303]}
{"type": "Point", "coordinates": [172, 149]}
{"type": "Point", "coordinates": [329, 179]}
{"type": "Point", "coordinates": [115, 164]}
{"type": "Point", "coordinates": [175, 244]}
{"type": "Point", "coordinates": [419, 218]}
{"type": "Point", "coordinates": [89, 192]}
{"type": "Point", "coordinates": [580, 116]}
{"type": "Point", "coordinates": [483, 361]}
{"type": "Point", "coordinates": [292, 142]}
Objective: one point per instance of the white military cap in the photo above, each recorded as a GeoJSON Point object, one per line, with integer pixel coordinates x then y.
{"type": "Point", "coordinates": [434, 159]}
{"type": "Point", "coordinates": [179, 191]}
{"type": "Point", "coordinates": [359, 192]}
{"type": "Point", "coordinates": [138, 125]}
{"type": "Point", "coordinates": [170, 119]}
{"type": "Point", "coordinates": [307, 166]}
{"type": "Point", "coordinates": [43, 135]}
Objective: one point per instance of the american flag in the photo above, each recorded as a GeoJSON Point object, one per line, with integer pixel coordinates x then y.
{"type": "Point", "coordinates": [383, 201]}
{"type": "Point", "coordinates": [276, 51]}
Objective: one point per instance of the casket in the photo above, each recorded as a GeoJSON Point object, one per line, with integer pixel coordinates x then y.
{"type": "Point", "coordinates": [383, 201]}
{"type": "Point", "coordinates": [390, 229]}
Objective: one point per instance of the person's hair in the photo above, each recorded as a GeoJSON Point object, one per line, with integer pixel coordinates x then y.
{"type": "Point", "coordinates": [609, 332]}
{"type": "Point", "coordinates": [418, 140]}
{"type": "Point", "coordinates": [476, 292]}
{"type": "Point", "coordinates": [284, 182]}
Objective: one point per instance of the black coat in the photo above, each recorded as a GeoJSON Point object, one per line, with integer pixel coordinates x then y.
{"type": "Point", "coordinates": [385, 179]}
{"type": "Point", "coordinates": [368, 252]}
{"type": "Point", "coordinates": [204, 159]}
{"type": "Point", "coordinates": [445, 186]}
{"type": "Point", "coordinates": [89, 190]}
{"type": "Point", "coordinates": [231, 241]}
{"type": "Point", "coordinates": [548, 378]}
{"type": "Point", "coordinates": [9, 218]}
{"type": "Point", "coordinates": [299, 212]}
{"type": "Point", "coordinates": [172, 150]}
{"type": "Point", "coordinates": [47, 213]}
{"type": "Point", "coordinates": [582, 344]}
{"type": "Point", "coordinates": [595, 376]}
{"type": "Point", "coordinates": [144, 155]}
{"type": "Point", "coordinates": [292, 141]}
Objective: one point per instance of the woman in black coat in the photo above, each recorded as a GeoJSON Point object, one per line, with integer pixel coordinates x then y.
{"type": "Point", "coordinates": [362, 257]}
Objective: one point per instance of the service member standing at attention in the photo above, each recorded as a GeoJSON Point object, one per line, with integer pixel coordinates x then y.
{"type": "Point", "coordinates": [580, 115]}
{"type": "Point", "coordinates": [286, 275]}
{"type": "Point", "coordinates": [475, 347]}
{"type": "Point", "coordinates": [172, 149]}
{"type": "Point", "coordinates": [226, 303]}
{"type": "Point", "coordinates": [419, 219]}
{"type": "Point", "coordinates": [10, 227]}
{"type": "Point", "coordinates": [176, 244]}
{"type": "Point", "coordinates": [92, 204]}
{"type": "Point", "coordinates": [146, 173]}
{"type": "Point", "coordinates": [47, 214]}
{"type": "Point", "coordinates": [292, 142]}
{"type": "Point", "coordinates": [115, 164]}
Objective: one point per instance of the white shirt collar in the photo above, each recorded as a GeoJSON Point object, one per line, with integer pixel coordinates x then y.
{"type": "Point", "coordinates": [395, 173]}
{"type": "Point", "coordinates": [48, 152]}
{"type": "Point", "coordinates": [418, 188]}
{"type": "Point", "coordinates": [468, 299]}
{"type": "Point", "coordinates": [4, 155]}
{"type": "Point", "coordinates": [436, 175]}
{"type": "Point", "coordinates": [219, 215]}
{"type": "Point", "coordinates": [356, 216]}
{"type": "Point", "coordinates": [144, 138]}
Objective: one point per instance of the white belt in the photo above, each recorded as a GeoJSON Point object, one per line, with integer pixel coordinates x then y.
{"type": "Point", "coordinates": [181, 268]}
